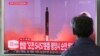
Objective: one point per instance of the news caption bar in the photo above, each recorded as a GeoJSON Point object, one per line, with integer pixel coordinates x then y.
{"type": "Point", "coordinates": [27, 46]}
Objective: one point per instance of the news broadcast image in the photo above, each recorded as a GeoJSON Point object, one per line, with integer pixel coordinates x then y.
{"type": "Point", "coordinates": [42, 26]}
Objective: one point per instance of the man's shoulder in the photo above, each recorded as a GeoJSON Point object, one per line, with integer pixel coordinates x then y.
{"type": "Point", "coordinates": [82, 49]}
{"type": "Point", "coordinates": [78, 51]}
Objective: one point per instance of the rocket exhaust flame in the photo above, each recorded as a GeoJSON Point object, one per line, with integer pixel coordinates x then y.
{"type": "Point", "coordinates": [47, 38]}
{"type": "Point", "coordinates": [63, 35]}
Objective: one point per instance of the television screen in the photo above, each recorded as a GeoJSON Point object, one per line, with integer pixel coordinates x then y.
{"type": "Point", "coordinates": [42, 26]}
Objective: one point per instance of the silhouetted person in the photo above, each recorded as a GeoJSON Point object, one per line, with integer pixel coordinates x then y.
{"type": "Point", "coordinates": [83, 46]}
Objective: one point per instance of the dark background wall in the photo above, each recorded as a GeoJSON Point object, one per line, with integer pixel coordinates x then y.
{"type": "Point", "coordinates": [98, 22]}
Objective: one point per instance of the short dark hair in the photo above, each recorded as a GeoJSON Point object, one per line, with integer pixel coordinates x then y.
{"type": "Point", "coordinates": [82, 26]}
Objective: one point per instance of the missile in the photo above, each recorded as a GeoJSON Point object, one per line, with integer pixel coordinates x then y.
{"type": "Point", "coordinates": [47, 22]}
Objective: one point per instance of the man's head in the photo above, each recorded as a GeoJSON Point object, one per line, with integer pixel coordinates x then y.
{"type": "Point", "coordinates": [82, 26]}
